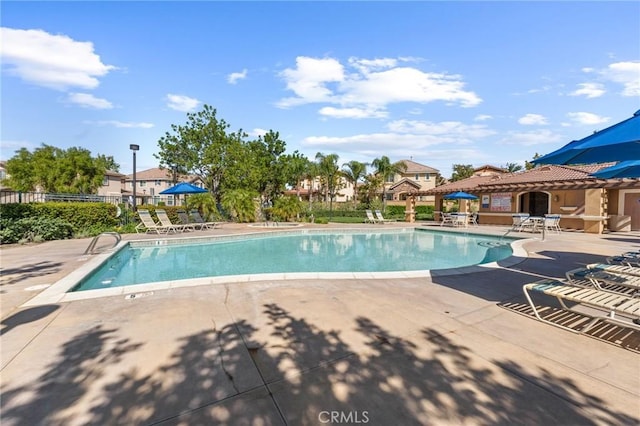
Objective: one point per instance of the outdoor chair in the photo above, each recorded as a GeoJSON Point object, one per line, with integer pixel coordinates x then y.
{"type": "Point", "coordinates": [381, 218]}
{"type": "Point", "coordinates": [460, 220]}
{"type": "Point", "coordinates": [612, 278]}
{"type": "Point", "coordinates": [149, 225]}
{"type": "Point", "coordinates": [370, 217]}
{"type": "Point", "coordinates": [628, 259]}
{"type": "Point", "coordinates": [184, 218]}
{"type": "Point", "coordinates": [165, 221]}
{"type": "Point", "coordinates": [551, 222]}
{"type": "Point", "coordinates": [197, 218]}
{"type": "Point", "coordinates": [447, 219]}
{"type": "Point", "coordinates": [617, 308]}
{"type": "Point", "coordinates": [518, 221]}
{"type": "Point", "coordinates": [473, 219]}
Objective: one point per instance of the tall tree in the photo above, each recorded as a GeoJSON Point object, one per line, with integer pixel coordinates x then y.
{"type": "Point", "coordinates": [353, 171]}
{"type": "Point", "coordinates": [202, 146]}
{"type": "Point", "coordinates": [52, 169]}
{"type": "Point", "coordinates": [461, 171]}
{"type": "Point", "coordinates": [387, 170]}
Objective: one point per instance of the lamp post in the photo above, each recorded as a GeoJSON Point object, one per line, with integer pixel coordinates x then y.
{"type": "Point", "coordinates": [134, 148]}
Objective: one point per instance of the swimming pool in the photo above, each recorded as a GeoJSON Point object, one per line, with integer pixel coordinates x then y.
{"type": "Point", "coordinates": [294, 252]}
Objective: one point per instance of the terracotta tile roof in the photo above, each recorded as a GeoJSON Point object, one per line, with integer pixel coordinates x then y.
{"type": "Point", "coordinates": [403, 182]}
{"type": "Point", "coordinates": [542, 177]}
{"type": "Point", "coordinates": [413, 167]}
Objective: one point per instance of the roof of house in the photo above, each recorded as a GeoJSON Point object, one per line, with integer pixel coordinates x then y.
{"type": "Point", "coordinates": [489, 168]}
{"type": "Point", "coordinates": [403, 183]}
{"type": "Point", "coordinates": [542, 177]}
{"type": "Point", "coordinates": [157, 173]}
{"type": "Point", "coordinates": [413, 167]}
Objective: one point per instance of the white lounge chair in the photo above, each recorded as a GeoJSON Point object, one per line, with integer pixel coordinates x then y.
{"type": "Point", "coordinates": [149, 225]}
{"type": "Point", "coordinates": [370, 217]}
{"type": "Point", "coordinates": [166, 222]}
{"type": "Point", "coordinates": [381, 218]}
{"type": "Point", "coordinates": [609, 303]}
{"type": "Point", "coordinates": [551, 222]}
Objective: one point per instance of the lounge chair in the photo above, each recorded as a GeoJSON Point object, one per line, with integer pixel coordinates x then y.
{"type": "Point", "coordinates": [381, 218]}
{"type": "Point", "coordinates": [197, 218]}
{"type": "Point", "coordinates": [149, 225]}
{"type": "Point", "coordinates": [184, 218]}
{"type": "Point", "coordinates": [628, 259]}
{"type": "Point", "coordinates": [165, 221]}
{"type": "Point", "coordinates": [609, 303]}
{"type": "Point", "coordinates": [473, 219]}
{"type": "Point", "coordinates": [371, 218]}
{"type": "Point", "coordinates": [614, 278]}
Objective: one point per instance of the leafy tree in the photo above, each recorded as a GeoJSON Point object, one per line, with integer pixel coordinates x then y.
{"type": "Point", "coordinates": [202, 147]}
{"type": "Point", "coordinates": [287, 208]}
{"type": "Point", "coordinates": [461, 171]}
{"type": "Point", "coordinates": [53, 169]}
{"type": "Point", "coordinates": [528, 165]}
{"type": "Point", "coordinates": [513, 167]}
{"type": "Point", "coordinates": [108, 162]}
{"type": "Point", "coordinates": [353, 171]}
{"type": "Point", "coordinates": [386, 170]}
{"type": "Point", "coordinates": [310, 173]}
{"type": "Point", "coordinates": [296, 166]}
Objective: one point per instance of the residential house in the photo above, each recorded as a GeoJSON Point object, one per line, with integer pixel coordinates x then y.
{"type": "Point", "coordinates": [151, 182]}
{"type": "Point", "coordinates": [416, 178]}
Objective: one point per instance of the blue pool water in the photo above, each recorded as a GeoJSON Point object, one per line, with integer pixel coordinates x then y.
{"type": "Point", "coordinates": [404, 250]}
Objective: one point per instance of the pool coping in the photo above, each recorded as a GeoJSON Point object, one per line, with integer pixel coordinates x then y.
{"type": "Point", "coordinates": [59, 291]}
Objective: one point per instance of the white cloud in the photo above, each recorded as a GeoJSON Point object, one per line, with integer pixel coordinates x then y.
{"type": "Point", "coordinates": [182, 103]}
{"type": "Point", "coordinates": [124, 125]}
{"type": "Point", "coordinates": [9, 147]}
{"type": "Point", "coordinates": [449, 130]}
{"type": "Point", "coordinates": [352, 112]}
{"type": "Point", "coordinates": [587, 118]}
{"type": "Point", "coordinates": [627, 74]}
{"type": "Point", "coordinates": [258, 132]}
{"type": "Point", "coordinates": [533, 120]}
{"type": "Point", "coordinates": [482, 117]}
{"type": "Point", "coordinates": [590, 90]}
{"type": "Point", "coordinates": [235, 76]}
{"type": "Point", "coordinates": [53, 61]}
{"type": "Point", "coordinates": [371, 86]}
{"type": "Point", "coordinates": [535, 137]}
{"type": "Point", "coordinates": [87, 100]}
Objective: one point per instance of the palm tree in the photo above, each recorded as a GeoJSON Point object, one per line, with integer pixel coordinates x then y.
{"type": "Point", "coordinates": [353, 171]}
{"type": "Point", "coordinates": [386, 169]}
{"type": "Point", "coordinates": [513, 167]}
{"type": "Point", "coordinates": [329, 174]}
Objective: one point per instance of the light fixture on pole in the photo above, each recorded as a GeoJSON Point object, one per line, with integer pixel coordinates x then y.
{"type": "Point", "coordinates": [134, 148]}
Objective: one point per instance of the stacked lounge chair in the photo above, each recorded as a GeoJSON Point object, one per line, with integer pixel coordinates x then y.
{"type": "Point", "coordinates": [612, 290]}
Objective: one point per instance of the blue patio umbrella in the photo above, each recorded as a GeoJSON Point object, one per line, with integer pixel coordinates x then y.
{"type": "Point", "coordinates": [460, 195]}
{"type": "Point", "coordinates": [183, 188]}
{"type": "Point", "coordinates": [619, 142]}
{"type": "Point", "coordinates": [624, 169]}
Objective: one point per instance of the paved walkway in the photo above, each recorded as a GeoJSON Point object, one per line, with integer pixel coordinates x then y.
{"type": "Point", "coordinates": [450, 349]}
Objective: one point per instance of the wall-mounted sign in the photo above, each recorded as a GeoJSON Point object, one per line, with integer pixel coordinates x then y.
{"type": "Point", "coordinates": [501, 202]}
{"type": "Point", "coordinates": [485, 201]}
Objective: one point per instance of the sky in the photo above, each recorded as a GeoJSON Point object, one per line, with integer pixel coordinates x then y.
{"type": "Point", "coordinates": [440, 83]}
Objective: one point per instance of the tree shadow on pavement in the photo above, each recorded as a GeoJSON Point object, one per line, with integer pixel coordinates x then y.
{"type": "Point", "coordinates": [293, 371]}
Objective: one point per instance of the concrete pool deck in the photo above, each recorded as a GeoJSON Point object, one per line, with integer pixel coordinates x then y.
{"type": "Point", "coordinates": [446, 349]}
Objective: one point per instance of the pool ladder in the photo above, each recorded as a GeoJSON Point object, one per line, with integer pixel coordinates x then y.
{"type": "Point", "coordinates": [93, 243]}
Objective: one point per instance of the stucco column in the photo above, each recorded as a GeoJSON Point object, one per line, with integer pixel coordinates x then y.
{"type": "Point", "coordinates": [593, 211]}
{"type": "Point", "coordinates": [410, 209]}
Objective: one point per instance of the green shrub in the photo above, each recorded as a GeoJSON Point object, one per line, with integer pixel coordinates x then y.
{"type": "Point", "coordinates": [34, 229]}
{"type": "Point", "coordinates": [15, 211]}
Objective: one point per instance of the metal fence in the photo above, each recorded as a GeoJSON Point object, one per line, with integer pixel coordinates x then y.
{"type": "Point", "coordinates": [8, 197]}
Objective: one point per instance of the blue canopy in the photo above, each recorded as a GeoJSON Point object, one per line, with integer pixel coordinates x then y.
{"type": "Point", "coordinates": [624, 169]}
{"type": "Point", "coordinates": [619, 142]}
{"type": "Point", "coordinates": [460, 195]}
{"type": "Point", "coordinates": [183, 188]}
